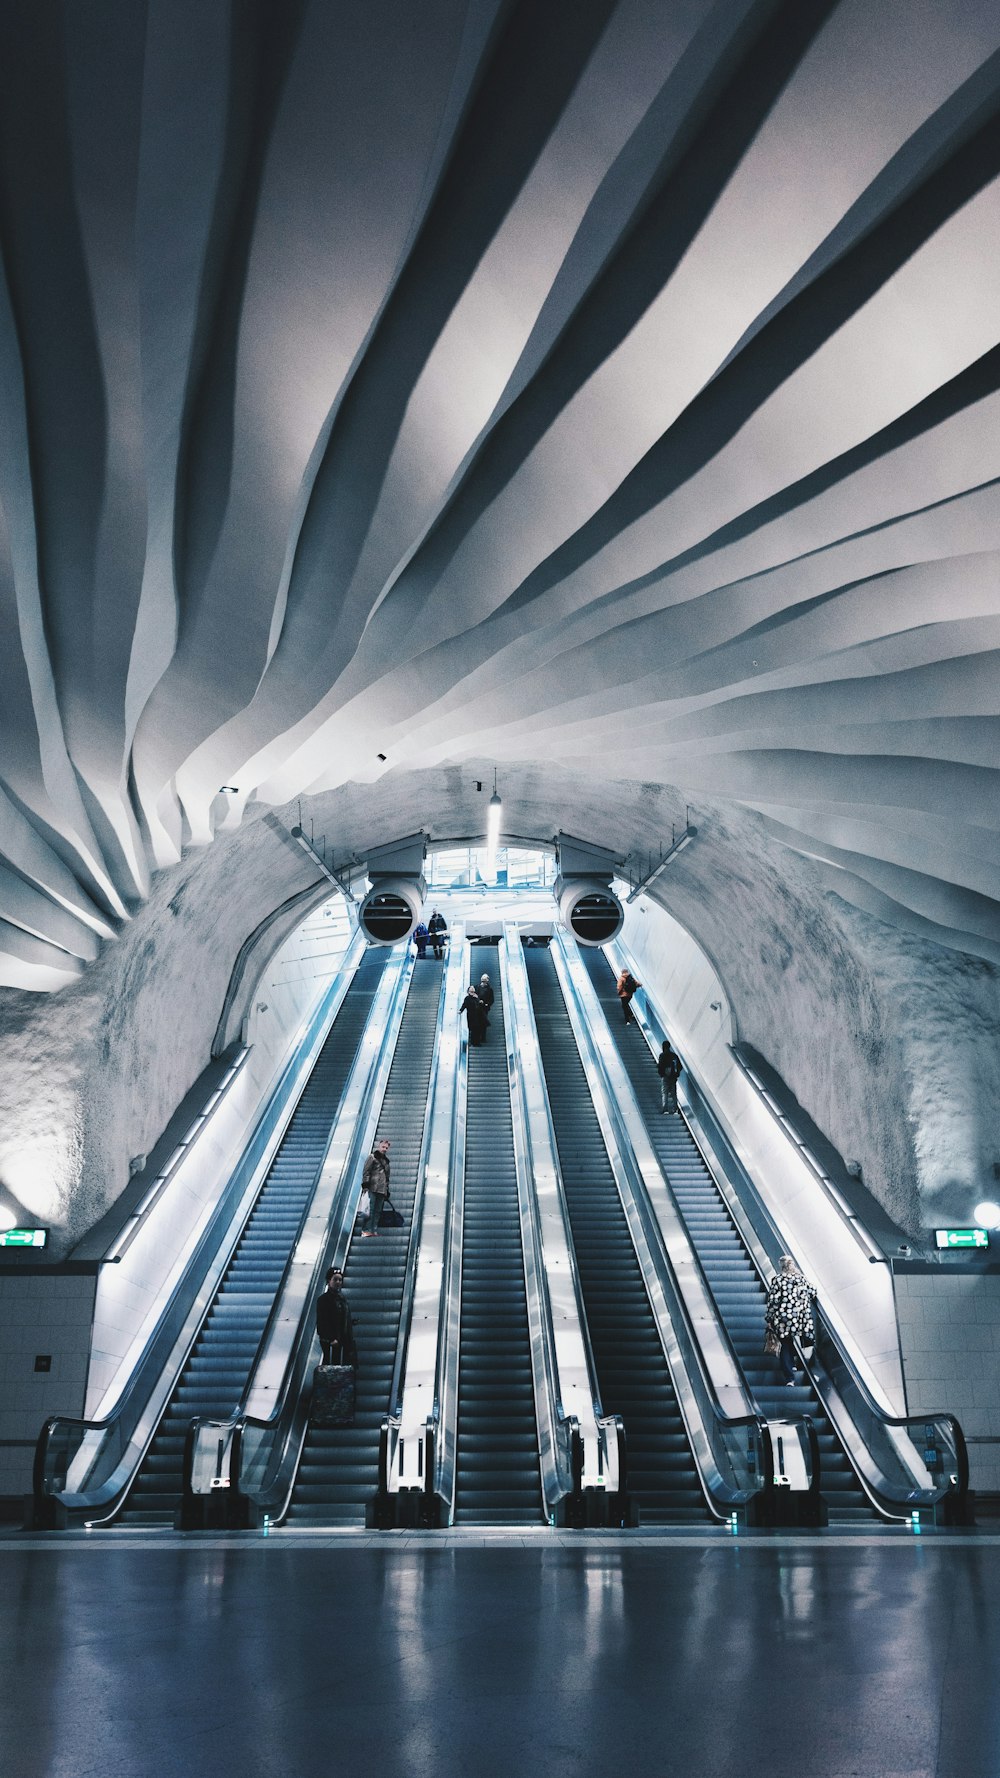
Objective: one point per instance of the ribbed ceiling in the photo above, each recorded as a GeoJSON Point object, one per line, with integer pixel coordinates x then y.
{"type": "Point", "coordinates": [609, 386]}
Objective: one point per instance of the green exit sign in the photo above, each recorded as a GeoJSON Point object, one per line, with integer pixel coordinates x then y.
{"type": "Point", "coordinates": [23, 1237]}
{"type": "Point", "coordinates": [962, 1237]}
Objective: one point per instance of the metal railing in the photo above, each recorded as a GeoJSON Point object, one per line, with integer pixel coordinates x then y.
{"type": "Point", "coordinates": [262, 1438]}
{"type": "Point", "coordinates": [581, 1449]}
{"type": "Point", "coordinates": [83, 1468]}
{"type": "Point", "coordinates": [726, 1429]}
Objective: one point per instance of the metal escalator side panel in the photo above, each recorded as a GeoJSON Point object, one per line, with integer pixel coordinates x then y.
{"type": "Point", "coordinates": [428, 1362]}
{"type": "Point", "coordinates": [224, 1343]}
{"type": "Point", "coordinates": [704, 1368]}
{"type": "Point", "coordinates": [635, 1382]}
{"type": "Point", "coordinates": [336, 1469]}
{"type": "Point", "coordinates": [694, 1170]}
{"type": "Point", "coordinates": [566, 1382]}
{"type": "Point", "coordinates": [497, 1457]}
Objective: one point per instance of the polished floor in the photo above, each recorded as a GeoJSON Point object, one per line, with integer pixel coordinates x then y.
{"type": "Point", "coordinates": [705, 1656]}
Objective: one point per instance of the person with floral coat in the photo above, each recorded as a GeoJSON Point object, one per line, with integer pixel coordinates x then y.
{"type": "Point", "coordinates": [788, 1315]}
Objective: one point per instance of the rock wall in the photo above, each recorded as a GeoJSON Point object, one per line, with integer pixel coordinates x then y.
{"type": "Point", "coordinates": [889, 1041]}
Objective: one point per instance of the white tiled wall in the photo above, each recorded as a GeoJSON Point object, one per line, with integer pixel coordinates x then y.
{"type": "Point", "coordinates": [40, 1312]}
{"type": "Point", "coordinates": [949, 1335]}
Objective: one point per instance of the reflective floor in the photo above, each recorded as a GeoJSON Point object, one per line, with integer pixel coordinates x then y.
{"type": "Point", "coordinates": [795, 1657]}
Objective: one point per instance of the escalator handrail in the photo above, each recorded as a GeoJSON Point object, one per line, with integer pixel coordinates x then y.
{"type": "Point", "coordinates": [148, 1370]}
{"type": "Point", "coordinates": [416, 1214]}
{"type": "Point", "coordinates": [697, 1108]}
{"type": "Point", "coordinates": [288, 1409]}
{"type": "Point", "coordinates": [679, 1310]}
{"type": "Point", "coordinates": [823, 1382]}
{"type": "Point", "coordinates": [515, 1050]}
{"type": "Point", "coordinates": [440, 1421]}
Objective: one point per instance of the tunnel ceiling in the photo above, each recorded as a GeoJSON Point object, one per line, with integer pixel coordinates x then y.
{"type": "Point", "coordinates": [605, 387]}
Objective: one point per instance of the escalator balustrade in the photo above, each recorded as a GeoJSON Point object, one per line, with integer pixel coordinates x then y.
{"type": "Point", "coordinates": [728, 1268]}
{"type": "Point", "coordinates": [338, 1468]}
{"type": "Point", "coordinates": [498, 1478]}
{"type": "Point", "coordinates": [216, 1372]}
{"type": "Point", "coordinates": [632, 1372]}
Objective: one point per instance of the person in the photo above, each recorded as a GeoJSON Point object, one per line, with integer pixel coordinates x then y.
{"type": "Point", "coordinates": [334, 1324]}
{"type": "Point", "coordinates": [438, 933]}
{"type": "Point", "coordinates": [668, 1067]}
{"type": "Point", "coordinates": [627, 986]}
{"type": "Point", "coordinates": [486, 994]}
{"type": "Point", "coordinates": [475, 1013]}
{"type": "Point", "coordinates": [420, 937]}
{"type": "Point", "coordinates": [375, 1181]}
{"type": "Point", "coordinates": [788, 1315]}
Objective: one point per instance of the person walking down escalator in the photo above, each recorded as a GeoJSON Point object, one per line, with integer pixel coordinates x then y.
{"type": "Point", "coordinates": [420, 937]}
{"type": "Point", "coordinates": [475, 1013]}
{"type": "Point", "coordinates": [334, 1324]}
{"type": "Point", "coordinates": [788, 1315]}
{"type": "Point", "coordinates": [438, 933]}
{"type": "Point", "coordinates": [668, 1067]}
{"type": "Point", "coordinates": [375, 1182]}
{"type": "Point", "coordinates": [485, 992]}
{"type": "Point", "coordinates": [626, 987]}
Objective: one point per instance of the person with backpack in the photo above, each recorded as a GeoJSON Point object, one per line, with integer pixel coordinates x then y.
{"type": "Point", "coordinates": [668, 1067]}
{"type": "Point", "coordinates": [626, 987]}
{"type": "Point", "coordinates": [375, 1181]}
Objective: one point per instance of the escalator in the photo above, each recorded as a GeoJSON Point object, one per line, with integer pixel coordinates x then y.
{"type": "Point", "coordinates": [497, 1472]}
{"type": "Point", "coordinates": [632, 1372]}
{"type": "Point", "coordinates": [216, 1371]}
{"type": "Point", "coordinates": [727, 1266]}
{"type": "Point", "coordinates": [338, 1468]}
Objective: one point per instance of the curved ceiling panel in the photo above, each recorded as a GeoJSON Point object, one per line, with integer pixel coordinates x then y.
{"type": "Point", "coordinates": [612, 385]}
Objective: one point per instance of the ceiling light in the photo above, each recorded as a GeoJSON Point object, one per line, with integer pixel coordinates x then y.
{"type": "Point", "coordinates": [988, 1215]}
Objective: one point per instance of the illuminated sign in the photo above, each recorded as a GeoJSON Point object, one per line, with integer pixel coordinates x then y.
{"type": "Point", "coordinates": [961, 1237]}
{"type": "Point", "coordinates": [23, 1237]}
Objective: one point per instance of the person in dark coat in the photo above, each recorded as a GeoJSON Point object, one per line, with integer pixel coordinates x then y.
{"type": "Point", "coordinates": [420, 937]}
{"type": "Point", "coordinates": [788, 1315]}
{"type": "Point", "coordinates": [485, 992]}
{"type": "Point", "coordinates": [475, 1013]}
{"type": "Point", "coordinates": [375, 1181]}
{"type": "Point", "coordinates": [333, 1321]}
{"type": "Point", "coordinates": [438, 933]}
{"type": "Point", "coordinates": [626, 987]}
{"type": "Point", "coordinates": [668, 1067]}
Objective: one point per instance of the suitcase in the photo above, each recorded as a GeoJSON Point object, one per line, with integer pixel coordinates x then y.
{"type": "Point", "coordinates": [333, 1395]}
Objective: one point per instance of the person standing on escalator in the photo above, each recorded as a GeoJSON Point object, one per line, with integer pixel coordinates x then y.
{"type": "Point", "coordinates": [438, 931]}
{"type": "Point", "coordinates": [486, 994]}
{"type": "Point", "coordinates": [788, 1315]}
{"type": "Point", "coordinates": [375, 1181]}
{"type": "Point", "coordinates": [668, 1067]}
{"type": "Point", "coordinates": [333, 1321]}
{"type": "Point", "coordinates": [626, 986]}
{"type": "Point", "coordinates": [475, 1013]}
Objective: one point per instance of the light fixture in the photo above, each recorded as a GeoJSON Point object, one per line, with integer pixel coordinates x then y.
{"type": "Point", "coordinates": [228, 790]}
{"type": "Point", "coordinates": [988, 1215]}
{"type": "Point", "coordinates": [493, 814]}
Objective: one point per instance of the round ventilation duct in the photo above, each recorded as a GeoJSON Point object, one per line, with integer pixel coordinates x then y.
{"type": "Point", "coordinates": [390, 910]}
{"type": "Point", "coordinates": [592, 913]}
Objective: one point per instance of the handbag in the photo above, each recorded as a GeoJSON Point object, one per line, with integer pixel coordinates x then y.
{"type": "Point", "coordinates": [772, 1344]}
{"type": "Point", "coordinates": [365, 1205]}
{"type": "Point", "coordinates": [391, 1217]}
